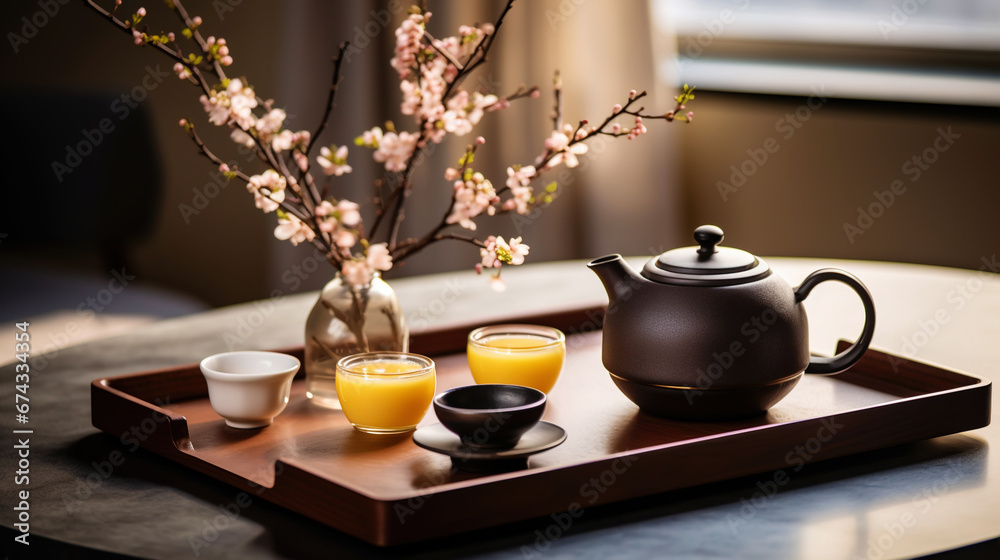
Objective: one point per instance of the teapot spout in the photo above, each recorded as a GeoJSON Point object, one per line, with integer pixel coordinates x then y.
{"type": "Point", "coordinates": [619, 279]}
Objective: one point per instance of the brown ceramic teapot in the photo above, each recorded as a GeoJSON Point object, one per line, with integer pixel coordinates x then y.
{"type": "Point", "coordinates": [709, 333]}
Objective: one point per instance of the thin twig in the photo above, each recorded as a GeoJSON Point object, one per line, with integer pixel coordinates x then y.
{"type": "Point", "coordinates": [203, 149]}
{"type": "Point", "coordinates": [557, 110]}
{"type": "Point", "coordinates": [334, 84]}
{"type": "Point", "coordinates": [126, 27]}
{"type": "Point", "coordinates": [189, 23]}
{"type": "Point", "coordinates": [443, 52]}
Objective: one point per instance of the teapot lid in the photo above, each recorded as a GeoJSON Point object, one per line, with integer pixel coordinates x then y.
{"type": "Point", "coordinates": [707, 264]}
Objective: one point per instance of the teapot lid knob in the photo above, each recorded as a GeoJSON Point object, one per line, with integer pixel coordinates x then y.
{"type": "Point", "coordinates": [707, 264]}
{"type": "Point", "coordinates": [708, 237]}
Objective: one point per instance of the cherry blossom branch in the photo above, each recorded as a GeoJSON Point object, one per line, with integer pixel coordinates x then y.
{"type": "Point", "coordinates": [482, 49]}
{"type": "Point", "coordinates": [203, 150]}
{"type": "Point", "coordinates": [193, 26]}
{"type": "Point", "coordinates": [411, 246]}
{"type": "Point", "coordinates": [557, 110]}
{"type": "Point", "coordinates": [384, 205]}
{"type": "Point", "coordinates": [397, 214]}
{"type": "Point", "coordinates": [334, 84]}
{"type": "Point", "coordinates": [477, 58]}
{"type": "Point", "coordinates": [127, 28]}
{"type": "Point", "coordinates": [522, 92]}
{"type": "Point", "coordinates": [582, 133]}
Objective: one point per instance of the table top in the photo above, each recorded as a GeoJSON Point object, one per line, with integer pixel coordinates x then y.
{"type": "Point", "coordinates": [91, 491]}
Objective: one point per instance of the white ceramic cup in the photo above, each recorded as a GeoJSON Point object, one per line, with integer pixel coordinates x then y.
{"type": "Point", "coordinates": [248, 389]}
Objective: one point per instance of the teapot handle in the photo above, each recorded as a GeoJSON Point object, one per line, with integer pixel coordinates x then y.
{"type": "Point", "coordinates": [847, 358]}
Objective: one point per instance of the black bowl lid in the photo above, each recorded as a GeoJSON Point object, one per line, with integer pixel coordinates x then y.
{"type": "Point", "coordinates": [706, 264]}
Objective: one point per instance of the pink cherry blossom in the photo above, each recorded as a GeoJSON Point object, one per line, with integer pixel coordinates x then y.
{"type": "Point", "coordinates": [350, 214]}
{"type": "Point", "coordinates": [356, 272]}
{"type": "Point", "coordinates": [270, 123]}
{"type": "Point", "coordinates": [182, 71]}
{"type": "Point", "coordinates": [395, 149]}
{"type": "Point", "coordinates": [268, 190]}
{"type": "Point", "coordinates": [378, 257]}
{"type": "Point", "coordinates": [372, 138]}
{"type": "Point", "coordinates": [564, 152]}
{"type": "Point", "coordinates": [408, 43]}
{"type": "Point", "coordinates": [286, 140]}
{"type": "Point", "coordinates": [498, 252]}
{"type": "Point", "coordinates": [498, 284]}
{"type": "Point", "coordinates": [324, 209]}
{"type": "Point", "coordinates": [502, 252]}
{"type": "Point", "coordinates": [301, 161]}
{"type": "Point", "coordinates": [215, 106]}
{"type": "Point", "coordinates": [345, 239]}
{"type": "Point", "coordinates": [472, 198]}
{"type": "Point", "coordinates": [236, 103]}
{"type": "Point", "coordinates": [520, 178]}
{"type": "Point", "coordinates": [520, 197]}
{"type": "Point", "coordinates": [464, 112]}
{"type": "Point", "coordinates": [333, 163]}
{"type": "Point", "coordinates": [242, 101]}
{"type": "Point", "coordinates": [242, 138]}
{"type": "Point", "coordinates": [489, 253]}
{"type": "Point", "coordinates": [293, 229]}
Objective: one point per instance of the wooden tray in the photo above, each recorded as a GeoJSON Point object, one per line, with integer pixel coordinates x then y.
{"type": "Point", "coordinates": [387, 491]}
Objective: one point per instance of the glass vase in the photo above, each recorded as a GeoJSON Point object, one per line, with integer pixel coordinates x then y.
{"type": "Point", "coordinates": [349, 319]}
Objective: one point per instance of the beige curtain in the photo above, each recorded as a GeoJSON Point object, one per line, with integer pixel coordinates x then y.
{"type": "Point", "coordinates": [624, 198]}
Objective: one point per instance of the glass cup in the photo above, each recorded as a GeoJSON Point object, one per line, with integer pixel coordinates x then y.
{"type": "Point", "coordinates": [385, 392]}
{"type": "Point", "coordinates": [527, 355]}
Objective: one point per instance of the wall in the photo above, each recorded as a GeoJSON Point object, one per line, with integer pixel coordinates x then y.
{"type": "Point", "coordinates": [830, 160]}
